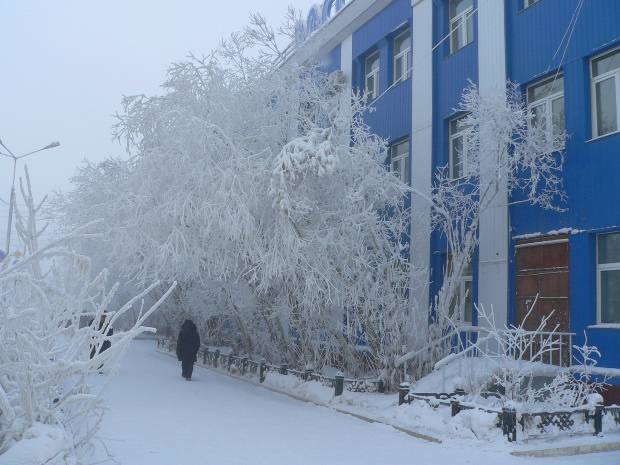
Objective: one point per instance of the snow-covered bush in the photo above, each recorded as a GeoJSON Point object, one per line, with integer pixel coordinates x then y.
{"type": "Point", "coordinates": [55, 318]}
{"type": "Point", "coordinates": [525, 369]}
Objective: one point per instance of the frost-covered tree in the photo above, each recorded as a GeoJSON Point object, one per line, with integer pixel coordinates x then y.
{"type": "Point", "coordinates": [54, 319]}
{"type": "Point", "coordinates": [255, 183]}
{"type": "Point", "coordinates": [505, 152]}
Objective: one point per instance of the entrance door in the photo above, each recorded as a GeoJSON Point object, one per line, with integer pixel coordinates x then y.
{"type": "Point", "coordinates": [542, 268]}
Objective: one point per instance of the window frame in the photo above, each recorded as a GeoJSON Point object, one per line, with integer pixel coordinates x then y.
{"type": "Point", "coordinates": [373, 72]}
{"type": "Point", "coordinates": [547, 101]}
{"type": "Point", "coordinates": [461, 28]}
{"type": "Point", "coordinates": [406, 74]}
{"type": "Point", "coordinates": [404, 156]}
{"type": "Point", "coordinates": [615, 73]}
{"type": "Point", "coordinates": [602, 268]}
{"type": "Point", "coordinates": [465, 150]}
{"type": "Point", "coordinates": [466, 277]}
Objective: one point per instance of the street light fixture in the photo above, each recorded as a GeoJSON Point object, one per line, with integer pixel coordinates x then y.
{"type": "Point", "coordinates": [15, 158]}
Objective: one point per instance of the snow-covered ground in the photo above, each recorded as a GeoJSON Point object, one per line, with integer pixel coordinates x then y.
{"type": "Point", "coordinates": [156, 417]}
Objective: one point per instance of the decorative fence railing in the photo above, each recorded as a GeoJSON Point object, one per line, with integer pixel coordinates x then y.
{"type": "Point", "coordinates": [243, 365]}
{"type": "Point", "coordinates": [548, 347]}
{"type": "Point", "coordinates": [509, 418]}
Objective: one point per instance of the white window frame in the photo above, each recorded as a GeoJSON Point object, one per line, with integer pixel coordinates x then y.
{"type": "Point", "coordinates": [405, 74]}
{"type": "Point", "coordinates": [461, 28]}
{"type": "Point", "coordinates": [548, 104]}
{"type": "Point", "coordinates": [464, 133]}
{"type": "Point", "coordinates": [372, 73]}
{"type": "Point", "coordinates": [529, 3]}
{"type": "Point", "coordinates": [404, 176]}
{"type": "Point", "coordinates": [462, 290]}
{"type": "Point", "coordinates": [601, 268]}
{"type": "Point", "coordinates": [615, 73]}
{"type": "Point", "coordinates": [469, 278]}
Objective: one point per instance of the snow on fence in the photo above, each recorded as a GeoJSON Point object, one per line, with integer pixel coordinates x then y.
{"type": "Point", "coordinates": [243, 366]}
{"type": "Point", "coordinates": [547, 347]}
{"type": "Point", "coordinates": [568, 420]}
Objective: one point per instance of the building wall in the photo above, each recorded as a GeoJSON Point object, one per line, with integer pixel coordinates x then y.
{"type": "Point", "coordinates": [391, 117]}
{"type": "Point", "coordinates": [535, 39]}
{"type": "Point", "coordinates": [535, 50]}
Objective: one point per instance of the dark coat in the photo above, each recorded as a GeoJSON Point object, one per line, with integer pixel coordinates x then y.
{"type": "Point", "coordinates": [106, 343]}
{"type": "Point", "coordinates": [188, 342]}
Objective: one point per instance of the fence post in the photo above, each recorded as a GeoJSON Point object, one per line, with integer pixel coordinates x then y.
{"type": "Point", "coordinates": [403, 391]}
{"type": "Point", "coordinates": [244, 362]}
{"type": "Point", "coordinates": [338, 384]}
{"type": "Point", "coordinates": [381, 387]}
{"type": "Point", "coordinates": [598, 419]}
{"type": "Point", "coordinates": [509, 423]}
{"type": "Point", "coordinates": [455, 407]}
{"type": "Point", "coordinates": [230, 357]}
{"type": "Point", "coordinates": [284, 369]}
{"type": "Point", "coordinates": [307, 375]}
{"type": "Point", "coordinates": [261, 372]}
{"type": "Point", "coordinates": [205, 355]}
{"type": "Point", "coordinates": [215, 359]}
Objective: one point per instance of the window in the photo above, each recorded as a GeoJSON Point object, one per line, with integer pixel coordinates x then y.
{"type": "Point", "coordinates": [463, 293]}
{"type": "Point", "coordinates": [459, 147]}
{"type": "Point", "coordinates": [545, 102]}
{"type": "Point", "coordinates": [399, 160]}
{"type": "Point", "coordinates": [461, 24]}
{"type": "Point", "coordinates": [608, 271]}
{"type": "Point", "coordinates": [371, 71]}
{"type": "Point", "coordinates": [606, 93]}
{"type": "Point", "coordinates": [402, 49]}
{"type": "Point", "coordinates": [528, 3]}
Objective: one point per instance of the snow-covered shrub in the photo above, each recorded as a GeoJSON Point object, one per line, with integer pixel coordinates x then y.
{"type": "Point", "coordinates": [55, 318]}
{"type": "Point", "coordinates": [509, 359]}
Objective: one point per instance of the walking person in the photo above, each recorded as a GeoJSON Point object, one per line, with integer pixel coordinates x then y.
{"type": "Point", "coordinates": [188, 344]}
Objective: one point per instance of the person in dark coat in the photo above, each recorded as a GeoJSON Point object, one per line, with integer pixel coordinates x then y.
{"type": "Point", "coordinates": [188, 344]}
{"type": "Point", "coordinates": [103, 324]}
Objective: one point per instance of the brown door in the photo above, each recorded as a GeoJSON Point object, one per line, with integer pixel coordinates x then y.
{"type": "Point", "coordinates": [542, 268]}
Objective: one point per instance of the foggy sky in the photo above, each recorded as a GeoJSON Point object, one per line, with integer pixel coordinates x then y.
{"type": "Point", "coordinates": [66, 64]}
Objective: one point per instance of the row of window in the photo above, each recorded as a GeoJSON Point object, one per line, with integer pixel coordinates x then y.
{"type": "Point", "coordinates": [461, 34]}
{"type": "Point", "coordinates": [546, 106]}
{"type": "Point", "coordinates": [401, 53]}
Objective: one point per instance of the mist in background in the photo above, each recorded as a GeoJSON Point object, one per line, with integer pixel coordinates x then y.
{"type": "Point", "coordinates": [66, 65]}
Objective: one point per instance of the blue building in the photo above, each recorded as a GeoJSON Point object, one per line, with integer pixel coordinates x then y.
{"type": "Point", "coordinates": [415, 58]}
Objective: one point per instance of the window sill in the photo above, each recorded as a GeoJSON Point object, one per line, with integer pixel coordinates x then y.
{"type": "Point", "coordinates": [456, 52]}
{"type": "Point", "coordinates": [615, 326]}
{"type": "Point", "coordinates": [597, 138]}
{"type": "Point", "coordinates": [399, 82]}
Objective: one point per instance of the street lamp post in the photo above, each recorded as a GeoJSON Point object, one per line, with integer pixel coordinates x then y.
{"type": "Point", "coordinates": [15, 158]}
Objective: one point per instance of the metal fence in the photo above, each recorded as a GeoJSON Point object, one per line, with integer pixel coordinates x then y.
{"type": "Point", "coordinates": [509, 418]}
{"type": "Point", "coordinates": [244, 366]}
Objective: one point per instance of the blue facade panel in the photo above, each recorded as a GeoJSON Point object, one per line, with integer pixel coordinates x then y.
{"type": "Point", "coordinates": [331, 62]}
{"type": "Point", "coordinates": [540, 41]}
{"type": "Point", "coordinates": [453, 73]}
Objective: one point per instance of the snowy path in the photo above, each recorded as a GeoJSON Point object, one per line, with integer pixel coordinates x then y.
{"type": "Point", "coordinates": [157, 418]}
